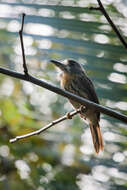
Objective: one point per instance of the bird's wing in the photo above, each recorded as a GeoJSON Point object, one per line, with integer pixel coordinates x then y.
{"type": "Point", "coordinates": [82, 86]}
{"type": "Point", "coordinates": [86, 89]}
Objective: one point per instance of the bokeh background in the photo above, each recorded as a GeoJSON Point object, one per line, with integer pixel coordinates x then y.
{"type": "Point", "coordinates": [62, 157]}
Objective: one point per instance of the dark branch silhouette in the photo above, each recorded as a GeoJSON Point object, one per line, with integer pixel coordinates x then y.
{"type": "Point", "coordinates": [22, 46]}
{"type": "Point", "coordinates": [57, 90]}
{"type": "Point", "coordinates": [102, 9]}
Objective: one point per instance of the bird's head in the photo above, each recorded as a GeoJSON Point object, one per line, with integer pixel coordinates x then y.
{"type": "Point", "coordinates": [68, 66]}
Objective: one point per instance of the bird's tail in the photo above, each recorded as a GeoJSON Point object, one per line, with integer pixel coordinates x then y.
{"type": "Point", "coordinates": [97, 138]}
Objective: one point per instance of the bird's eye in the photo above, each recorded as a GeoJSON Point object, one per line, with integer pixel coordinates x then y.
{"type": "Point", "coordinates": [72, 63]}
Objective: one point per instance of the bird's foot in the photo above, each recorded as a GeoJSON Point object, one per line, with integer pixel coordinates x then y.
{"type": "Point", "coordinates": [68, 116]}
{"type": "Point", "coordinates": [83, 109]}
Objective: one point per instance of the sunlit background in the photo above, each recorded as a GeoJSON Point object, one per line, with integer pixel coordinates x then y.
{"type": "Point", "coordinates": [62, 157]}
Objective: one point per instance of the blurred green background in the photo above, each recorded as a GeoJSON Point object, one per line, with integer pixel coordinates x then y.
{"type": "Point", "coordinates": [62, 157]}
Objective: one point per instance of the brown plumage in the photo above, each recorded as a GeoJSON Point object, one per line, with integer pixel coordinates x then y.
{"type": "Point", "coordinates": [75, 80]}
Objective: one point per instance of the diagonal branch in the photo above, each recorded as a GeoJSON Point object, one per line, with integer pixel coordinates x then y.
{"type": "Point", "coordinates": [37, 132]}
{"type": "Point", "coordinates": [102, 9]}
{"type": "Point", "coordinates": [57, 90]}
{"type": "Point", "coordinates": [22, 46]}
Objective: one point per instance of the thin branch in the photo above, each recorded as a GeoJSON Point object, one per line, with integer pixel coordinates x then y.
{"type": "Point", "coordinates": [37, 132]}
{"type": "Point", "coordinates": [57, 90]}
{"type": "Point", "coordinates": [102, 9]}
{"type": "Point", "coordinates": [22, 45]}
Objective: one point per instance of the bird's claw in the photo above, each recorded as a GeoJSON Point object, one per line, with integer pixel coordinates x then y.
{"type": "Point", "coordinates": [68, 116]}
{"type": "Point", "coordinates": [83, 109]}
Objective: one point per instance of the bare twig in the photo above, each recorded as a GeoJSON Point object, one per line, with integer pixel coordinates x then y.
{"type": "Point", "coordinates": [66, 94]}
{"type": "Point", "coordinates": [22, 46]}
{"type": "Point", "coordinates": [37, 132]}
{"type": "Point", "coordinates": [102, 9]}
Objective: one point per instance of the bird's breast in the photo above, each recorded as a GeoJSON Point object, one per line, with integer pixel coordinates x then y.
{"type": "Point", "coordinates": [66, 80]}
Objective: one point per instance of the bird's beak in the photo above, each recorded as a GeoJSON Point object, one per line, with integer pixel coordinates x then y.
{"type": "Point", "coordinates": [59, 65]}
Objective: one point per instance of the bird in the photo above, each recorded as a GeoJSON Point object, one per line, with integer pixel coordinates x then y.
{"type": "Point", "coordinates": [73, 78]}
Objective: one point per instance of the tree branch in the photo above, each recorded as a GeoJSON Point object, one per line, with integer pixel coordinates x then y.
{"type": "Point", "coordinates": [57, 90]}
{"type": "Point", "coordinates": [102, 9]}
{"type": "Point", "coordinates": [22, 46]}
{"type": "Point", "coordinates": [37, 132]}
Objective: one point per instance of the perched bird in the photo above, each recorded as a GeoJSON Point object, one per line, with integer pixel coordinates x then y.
{"type": "Point", "coordinates": [75, 80]}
